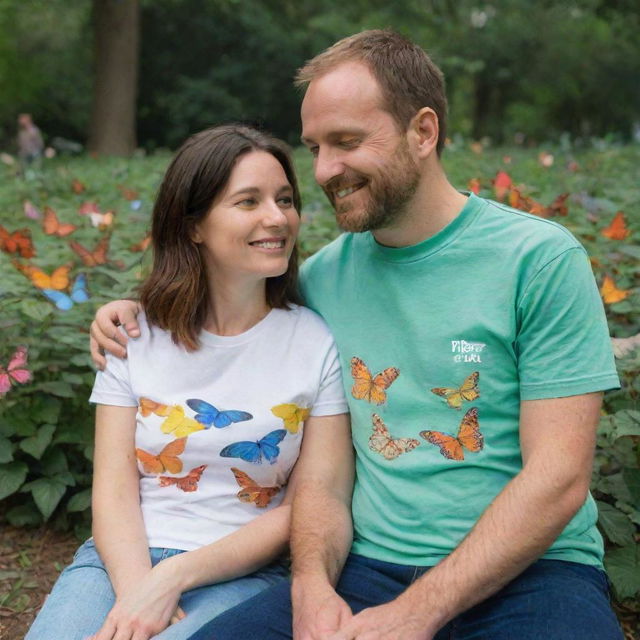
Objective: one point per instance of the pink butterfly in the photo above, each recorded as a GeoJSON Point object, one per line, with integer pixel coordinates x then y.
{"type": "Point", "coordinates": [16, 370]}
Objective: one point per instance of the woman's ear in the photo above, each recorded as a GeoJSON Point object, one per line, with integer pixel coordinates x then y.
{"type": "Point", "coordinates": [423, 132]}
{"type": "Point", "coordinates": [194, 234]}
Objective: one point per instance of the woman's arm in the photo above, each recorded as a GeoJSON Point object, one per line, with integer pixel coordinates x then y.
{"type": "Point", "coordinates": [118, 528]}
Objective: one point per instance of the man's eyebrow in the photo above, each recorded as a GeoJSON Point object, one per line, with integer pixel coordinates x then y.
{"type": "Point", "coordinates": [305, 141]}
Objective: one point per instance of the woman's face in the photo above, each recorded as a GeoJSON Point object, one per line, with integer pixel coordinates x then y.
{"type": "Point", "coordinates": [252, 226]}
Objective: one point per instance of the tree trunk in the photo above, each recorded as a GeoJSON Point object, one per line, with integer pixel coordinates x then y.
{"type": "Point", "coordinates": [112, 130]}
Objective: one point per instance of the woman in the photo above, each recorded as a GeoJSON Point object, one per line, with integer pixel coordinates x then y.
{"type": "Point", "coordinates": [199, 429]}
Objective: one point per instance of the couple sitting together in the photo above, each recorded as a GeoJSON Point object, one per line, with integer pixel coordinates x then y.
{"type": "Point", "coordinates": [419, 437]}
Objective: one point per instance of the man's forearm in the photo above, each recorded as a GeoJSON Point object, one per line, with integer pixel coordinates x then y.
{"type": "Point", "coordinates": [321, 533]}
{"type": "Point", "coordinates": [518, 527]}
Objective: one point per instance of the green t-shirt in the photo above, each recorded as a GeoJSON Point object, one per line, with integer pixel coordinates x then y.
{"type": "Point", "coordinates": [439, 342]}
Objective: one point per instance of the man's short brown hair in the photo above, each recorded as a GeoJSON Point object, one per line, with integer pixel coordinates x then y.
{"type": "Point", "coordinates": [408, 78]}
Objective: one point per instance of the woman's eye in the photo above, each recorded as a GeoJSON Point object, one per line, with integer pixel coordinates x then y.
{"type": "Point", "coordinates": [247, 202]}
{"type": "Point", "coordinates": [287, 201]}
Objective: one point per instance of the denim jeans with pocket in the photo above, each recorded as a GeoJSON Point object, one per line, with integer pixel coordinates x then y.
{"type": "Point", "coordinates": [82, 597]}
{"type": "Point", "coordinates": [551, 600]}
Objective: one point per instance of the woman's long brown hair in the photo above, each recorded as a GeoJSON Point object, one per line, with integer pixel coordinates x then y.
{"type": "Point", "coordinates": [175, 295]}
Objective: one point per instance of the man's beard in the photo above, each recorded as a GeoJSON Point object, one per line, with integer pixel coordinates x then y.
{"type": "Point", "coordinates": [389, 193]}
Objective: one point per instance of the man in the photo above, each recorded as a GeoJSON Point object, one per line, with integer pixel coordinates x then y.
{"type": "Point", "coordinates": [30, 142]}
{"type": "Point", "coordinates": [478, 349]}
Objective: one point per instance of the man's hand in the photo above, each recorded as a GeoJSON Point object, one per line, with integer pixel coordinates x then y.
{"type": "Point", "coordinates": [104, 330]}
{"type": "Point", "coordinates": [400, 619]}
{"type": "Point", "coordinates": [318, 611]}
{"type": "Point", "coordinates": [145, 610]}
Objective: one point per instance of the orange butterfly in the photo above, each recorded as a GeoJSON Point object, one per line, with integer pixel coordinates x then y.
{"type": "Point", "coordinates": [166, 460]}
{"type": "Point", "coordinates": [617, 230]}
{"type": "Point", "coordinates": [52, 225]}
{"type": "Point", "coordinates": [381, 441]}
{"type": "Point", "coordinates": [142, 245]}
{"type": "Point", "coordinates": [127, 194]}
{"type": "Point", "coordinates": [58, 280]}
{"type": "Point", "coordinates": [250, 491]}
{"type": "Point", "coordinates": [77, 186]}
{"type": "Point", "coordinates": [187, 483]}
{"type": "Point", "coordinates": [17, 242]}
{"type": "Point", "coordinates": [474, 185]}
{"type": "Point", "coordinates": [610, 293]}
{"type": "Point", "coordinates": [95, 257]}
{"type": "Point", "coordinates": [518, 201]}
{"type": "Point", "coordinates": [467, 391]}
{"type": "Point", "coordinates": [469, 437]}
{"type": "Point", "coordinates": [368, 387]}
{"type": "Point", "coordinates": [501, 184]}
{"type": "Point", "coordinates": [147, 407]}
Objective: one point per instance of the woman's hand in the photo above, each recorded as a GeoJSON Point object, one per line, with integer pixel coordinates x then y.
{"type": "Point", "coordinates": [145, 609]}
{"type": "Point", "coordinates": [104, 330]}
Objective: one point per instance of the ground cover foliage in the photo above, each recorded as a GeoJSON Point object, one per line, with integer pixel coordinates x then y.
{"type": "Point", "coordinates": [46, 421]}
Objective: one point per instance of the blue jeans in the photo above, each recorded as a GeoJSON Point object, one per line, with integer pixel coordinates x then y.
{"type": "Point", "coordinates": [551, 600]}
{"type": "Point", "coordinates": [82, 597]}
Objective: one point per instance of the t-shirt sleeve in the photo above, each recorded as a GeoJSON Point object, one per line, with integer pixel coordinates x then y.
{"type": "Point", "coordinates": [330, 399]}
{"type": "Point", "coordinates": [563, 344]}
{"type": "Point", "coordinates": [112, 386]}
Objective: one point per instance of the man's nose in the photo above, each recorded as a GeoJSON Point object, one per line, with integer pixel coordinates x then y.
{"type": "Point", "coordinates": [327, 165]}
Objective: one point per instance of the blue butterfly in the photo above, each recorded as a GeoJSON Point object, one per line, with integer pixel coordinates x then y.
{"type": "Point", "coordinates": [63, 301]}
{"type": "Point", "coordinates": [208, 415]}
{"type": "Point", "coordinates": [253, 451]}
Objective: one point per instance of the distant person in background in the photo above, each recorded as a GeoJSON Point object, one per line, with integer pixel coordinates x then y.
{"type": "Point", "coordinates": [30, 142]}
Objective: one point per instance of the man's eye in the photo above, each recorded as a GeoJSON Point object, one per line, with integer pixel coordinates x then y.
{"type": "Point", "coordinates": [349, 144]}
{"type": "Point", "coordinates": [314, 151]}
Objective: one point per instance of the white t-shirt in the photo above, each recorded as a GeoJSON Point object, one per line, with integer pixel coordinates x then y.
{"type": "Point", "coordinates": [219, 430]}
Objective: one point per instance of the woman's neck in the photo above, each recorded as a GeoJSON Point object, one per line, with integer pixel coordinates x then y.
{"type": "Point", "coordinates": [234, 310]}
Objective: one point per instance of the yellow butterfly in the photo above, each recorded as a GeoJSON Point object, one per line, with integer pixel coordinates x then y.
{"type": "Point", "coordinates": [291, 414]}
{"type": "Point", "coordinates": [468, 391]}
{"type": "Point", "coordinates": [179, 424]}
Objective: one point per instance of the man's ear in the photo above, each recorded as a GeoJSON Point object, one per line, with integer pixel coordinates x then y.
{"type": "Point", "coordinates": [423, 132]}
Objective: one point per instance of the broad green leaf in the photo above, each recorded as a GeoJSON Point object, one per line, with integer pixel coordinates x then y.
{"type": "Point", "coordinates": [20, 424]}
{"type": "Point", "coordinates": [36, 445]}
{"type": "Point", "coordinates": [7, 427]}
{"type": "Point", "coordinates": [6, 450]}
{"type": "Point", "coordinates": [57, 388]}
{"type": "Point", "coordinates": [632, 478]}
{"type": "Point", "coordinates": [24, 515]}
{"type": "Point", "coordinates": [35, 309]}
{"type": "Point", "coordinates": [46, 409]}
{"type": "Point", "coordinates": [47, 493]}
{"type": "Point", "coordinates": [623, 567]}
{"type": "Point", "coordinates": [616, 525]}
{"type": "Point", "coordinates": [54, 461]}
{"type": "Point", "coordinates": [80, 501]}
{"type": "Point", "coordinates": [627, 423]}
{"type": "Point", "coordinates": [66, 478]}
{"type": "Point", "coordinates": [12, 475]}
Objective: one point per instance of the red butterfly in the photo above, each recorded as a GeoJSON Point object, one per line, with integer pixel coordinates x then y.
{"type": "Point", "coordinates": [187, 483]}
{"type": "Point", "coordinates": [17, 242]}
{"type": "Point", "coordinates": [95, 257]}
{"type": "Point", "coordinates": [16, 371]}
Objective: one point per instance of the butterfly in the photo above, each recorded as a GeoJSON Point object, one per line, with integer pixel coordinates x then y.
{"type": "Point", "coordinates": [87, 208]}
{"type": "Point", "coordinates": [147, 407]}
{"type": "Point", "coordinates": [142, 245]}
{"type": "Point", "coordinates": [180, 424]}
{"type": "Point", "coordinates": [16, 370]}
{"type": "Point", "coordinates": [617, 229]}
{"type": "Point", "coordinates": [77, 186]}
{"type": "Point", "coordinates": [78, 294]}
{"type": "Point", "coordinates": [381, 441]}
{"type": "Point", "coordinates": [31, 211]}
{"type": "Point", "coordinates": [187, 483]}
{"type": "Point", "coordinates": [611, 293]}
{"type": "Point", "coordinates": [254, 451]}
{"type": "Point", "coordinates": [501, 184]}
{"type": "Point", "coordinates": [368, 387]}
{"type": "Point", "coordinates": [291, 414]}
{"type": "Point", "coordinates": [102, 220]}
{"type": "Point", "coordinates": [166, 460]}
{"type": "Point", "coordinates": [208, 415]}
{"type": "Point", "coordinates": [127, 194]}
{"type": "Point", "coordinates": [469, 437]}
{"type": "Point", "coordinates": [250, 491]}
{"type": "Point", "coordinates": [58, 280]}
{"type": "Point", "coordinates": [95, 257]}
{"type": "Point", "coordinates": [467, 391]}
{"type": "Point", "coordinates": [53, 227]}
{"type": "Point", "coordinates": [17, 242]}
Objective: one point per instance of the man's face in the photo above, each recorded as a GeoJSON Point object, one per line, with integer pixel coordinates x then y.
{"type": "Point", "coordinates": [361, 160]}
